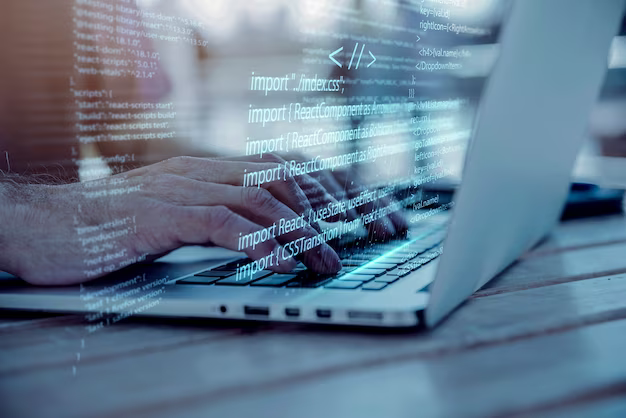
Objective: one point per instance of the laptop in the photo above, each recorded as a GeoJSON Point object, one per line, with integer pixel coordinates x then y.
{"type": "Point", "coordinates": [531, 122]}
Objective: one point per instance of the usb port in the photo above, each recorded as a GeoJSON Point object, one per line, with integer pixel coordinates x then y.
{"type": "Point", "coordinates": [292, 312]}
{"type": "Point", "coordinates": [256, 311]}
{"type": "Point", "coordinates": [365, 316]}
{"type": "Point", "coordinates": [323, 313]}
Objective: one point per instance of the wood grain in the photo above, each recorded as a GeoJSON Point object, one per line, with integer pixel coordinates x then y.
{"type": "Point", "coordinates": [584, 233]}
{"type": "Point", "coordinates": [560, 267]}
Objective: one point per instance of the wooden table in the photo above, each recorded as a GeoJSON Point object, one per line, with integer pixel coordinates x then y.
{"type": "Point", "coordinates": [547, 338]}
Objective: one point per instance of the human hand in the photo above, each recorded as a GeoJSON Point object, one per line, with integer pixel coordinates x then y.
{"type": "Point", "coordinates": [150, 211]}
{"type": "Point", "coordinates": [324, 187]}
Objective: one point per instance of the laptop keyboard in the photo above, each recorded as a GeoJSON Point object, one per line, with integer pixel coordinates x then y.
{"type": "Point", "coordinates": [371, 268]}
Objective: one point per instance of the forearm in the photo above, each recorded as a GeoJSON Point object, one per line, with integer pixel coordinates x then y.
{"type": "Point", "coordinates": [38, 242]}
{"type": "Point", "coordinates": [20, 221]}
{"type": "Point", "coordinates": [8, 209]}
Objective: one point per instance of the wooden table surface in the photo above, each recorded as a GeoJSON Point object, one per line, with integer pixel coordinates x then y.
{"type": "Point", "coordinates": [547, 338]}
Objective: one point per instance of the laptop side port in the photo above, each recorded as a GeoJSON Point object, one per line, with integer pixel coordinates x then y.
{"type": "Point", "coordinates": [256, 311]}
{"type": "Point", "coordinates": [323, 313]}
{"type": "Point", "coordinates": [292, 312]}
{"type": "Point", "coordinates": [366, 316]}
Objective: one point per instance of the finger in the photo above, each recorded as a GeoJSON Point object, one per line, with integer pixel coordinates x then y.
{"type": "Point", "coordinates": [392, 222]}
{"type": "Point", "coordinates": [203, 224]}
{"type": "Point", "coordinates": [398, 220]}
{"type": "Point", "coordinates": [317, 195]}
{"type": "Point", "coordinates": [330, 183]}
{"type": "Point", "coordinates": [270, 176]}
{"type": "Point", "coordinates": [320, 198]}
{"type": "Point", "coordinates": [381, 227]}
{"type": "Point", "coordinates": [215, 224]}
{"type": "Point", "coordinates": [264, 208]}
{"type": "Point", "coordinates": [258, 205]}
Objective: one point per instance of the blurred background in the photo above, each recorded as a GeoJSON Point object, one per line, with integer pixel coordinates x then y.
{"type": "Point", "coordinates": [205, 77]}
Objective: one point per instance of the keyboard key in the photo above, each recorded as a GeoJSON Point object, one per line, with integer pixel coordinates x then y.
{"type": "Point", "coordinates": [368, 271]}
{"type": "Point", "coordinates": [418, 249]}
{"type": "Point", "coordinates": [377, 265]}
{"type": "Point", "coordinates": [413, 265]}
{"type": "Point", "coordinates": [427, 257]}
{"type": "Point", "coordinates": [357, 277]}
{"type": "Point", "coordinates": [214, 273]}
{"type": "Point", "coordinates": [198, 280]}
{"type": "Point", "coordinates": [374, 286]}
{"type": "Point", "coordinates": [360, 259]}
{"type": "Point", "coordinates": [400, 272]}
{"type": "Point", "coordinates": [245, 280]}
{"type": "Point", "coordinates": [309, 284]}
{"type": "Point", "coordinates": [405, 251]}
{"type": "Point", "coordinates": [310, 275]}
{"type": "Point", "coordinates": [387, 279]}
{"type": "Point", "coordinates": [275, 280]}
{"type": "Point", "coordinates": [352, 263]}
{"type": "Point", "coordinates": [364, 253]}
{"type": "Point", "coordinates": [392, 259]}
{"type": "Point", "coordinates": [342, 284]}
{"type": "Point", "coordinates": [233, 265]}
{"type": "Point", "coordinates": [369, 251]}
{"type": "Point", "coordinates": [310, 280]}
{"type": "Point", "coordinates": [420, 261]}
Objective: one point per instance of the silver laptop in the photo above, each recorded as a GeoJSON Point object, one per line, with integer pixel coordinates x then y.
{"type": "Point", "coordinates": [530, 124]}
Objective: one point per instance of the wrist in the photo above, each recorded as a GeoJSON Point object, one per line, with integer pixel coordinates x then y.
{"type": "Point", "coordinates": [16, 213]}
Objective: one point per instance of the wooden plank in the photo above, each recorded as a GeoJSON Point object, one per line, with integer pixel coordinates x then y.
{"type": "Point", "coordinates": [575, 250]}
{"type": "Point", "coordinates": [559, 267]}
{"type": "Point", "coordinates": [167, 376]}
{"type": "Point", "coordinates": [16, 320]}
{"type": "Point", "coordinates": [55, 346]}
{"type": "Point", "coordinates": [607, 403]}
{"type": "Point", "coordinates": [514, 379]}
{"type": "Point", "coordinates": [585, 233]}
